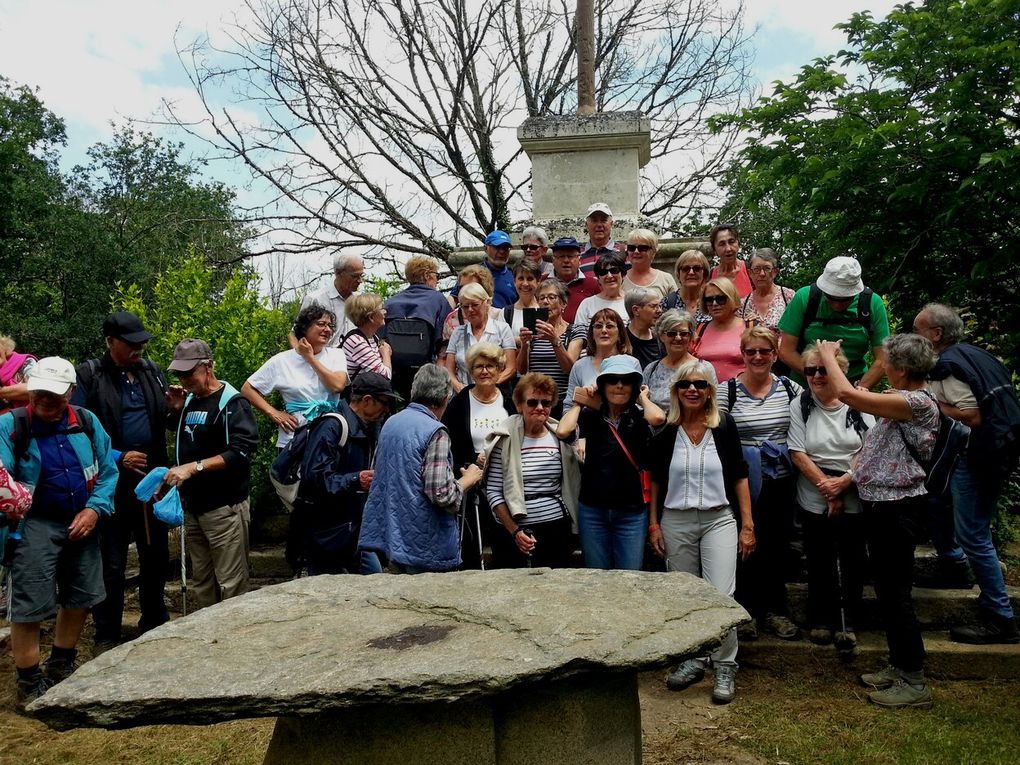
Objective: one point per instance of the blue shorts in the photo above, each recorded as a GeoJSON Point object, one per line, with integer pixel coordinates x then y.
{"type": "Point", "coordinates": [48, 568]}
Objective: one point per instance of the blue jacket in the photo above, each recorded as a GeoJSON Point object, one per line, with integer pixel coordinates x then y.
{"type": "Point", "coordinates": [399, 520]}
{"type": "Point", "coordinates": [95, 457]}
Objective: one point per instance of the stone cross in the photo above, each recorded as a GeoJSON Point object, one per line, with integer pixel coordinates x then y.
{"type": "Point", "coordinates": [584, 21]}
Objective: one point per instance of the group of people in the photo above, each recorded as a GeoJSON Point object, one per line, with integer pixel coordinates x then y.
{"type": "Point", "coordinates": [592, 401]}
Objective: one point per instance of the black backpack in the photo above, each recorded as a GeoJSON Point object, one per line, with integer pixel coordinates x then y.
{"type": "Point", "coordinates": [853, 417]}
{"type": "Point", "coordinates": [863, 316]}
{"type": "Point", "coordinates": [286, 469]}
{"type": "Point", "coordinates": [950, 445]}
{"type": "Point", "coordinates": [411, 341]}
{"type": "Point", "coordinates": [731, 390]}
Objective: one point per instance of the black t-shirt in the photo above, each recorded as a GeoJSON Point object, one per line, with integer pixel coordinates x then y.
{"type": "Point", "coordinates": [645, 351]}
{"type": "Point", "coordinates": [207, 431]}
{"type": "Point", "coordinates": [608, 479]}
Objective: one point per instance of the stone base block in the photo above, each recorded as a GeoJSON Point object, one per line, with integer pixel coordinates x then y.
{"type": "Point", "coordinates": [592, 719]}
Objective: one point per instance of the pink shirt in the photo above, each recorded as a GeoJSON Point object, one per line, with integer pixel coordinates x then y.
{"type": "Point", "coordinates": [742, 281]}
{"type": "Point", "coordinates": [721, 349]}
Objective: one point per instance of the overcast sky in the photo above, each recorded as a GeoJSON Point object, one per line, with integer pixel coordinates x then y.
{"type": "Point", "coordinates": [97, 61]}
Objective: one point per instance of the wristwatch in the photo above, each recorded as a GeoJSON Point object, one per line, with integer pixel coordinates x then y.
{"type": "Point", "coordinates": [199, 467]}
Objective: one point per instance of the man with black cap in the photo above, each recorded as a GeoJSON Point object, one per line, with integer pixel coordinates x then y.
{"type": "Point", "coordinates": [216, 438]}
{"type": "Point", "coordinates": [336, 476]}
{"type": "Point", "coordinates": [128, 395]}
{"type": "Point", "coordinates": [566, 258]}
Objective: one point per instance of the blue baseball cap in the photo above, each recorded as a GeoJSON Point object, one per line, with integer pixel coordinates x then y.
{"type": "Point", "coordinates": [567, 243]}
{"type": "Point", "coordinates": [497, 238]}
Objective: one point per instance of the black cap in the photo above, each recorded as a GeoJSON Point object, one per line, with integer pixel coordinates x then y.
{"type": "Point", "coordinates": [372, 384]}
{"type": "Point", "coordinates": [125, 326]}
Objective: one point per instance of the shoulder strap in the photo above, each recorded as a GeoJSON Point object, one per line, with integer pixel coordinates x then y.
{"type": "Point", "coordinates": [747, 302]}
{"type": "Point", "coordinates": [354, 331]}
{"type": "Point", "coordinates": [700, 331]}
{"type": "Point", "coordinates": [21, 436]}
{"type": "Point", "coordinates": [864, 309]}
{"type": "Point", "coordinates": [87, 426]}
{"type": "Point", "coordinates": [508, 313]}
{"type": "Point", "coordinates": [344, 430]}
{"type": "Point", "coordinates": [616, 435]}
{"type": "Point", "coordinates": [789, 387]}
{"type": "Point", "coordinates": [807, 403]}
{"type": "Point", "coordinates": [786, 299]}
{"type": "Point", "coordinates": [731, 386]}
{"type": "Point", "coordinates": [810, 314]}
{"type": "Point", "coordinates": [856, 421]}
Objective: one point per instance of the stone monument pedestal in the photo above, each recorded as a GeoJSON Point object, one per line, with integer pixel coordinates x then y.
{"type": "Point", "coordinates": [592, 719]}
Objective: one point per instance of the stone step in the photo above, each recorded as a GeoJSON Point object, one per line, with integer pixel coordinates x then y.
{"type": "Point", "coordinates": [945, 660]}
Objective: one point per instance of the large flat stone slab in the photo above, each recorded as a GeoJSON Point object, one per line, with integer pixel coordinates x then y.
{"type": "Point", "coordinates": [322, 644]}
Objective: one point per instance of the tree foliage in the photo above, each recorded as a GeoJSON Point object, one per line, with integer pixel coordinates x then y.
{"type": "Point", "coordinates": [389, 124]}
{"type": "Point", "coordinates": [901, 149]}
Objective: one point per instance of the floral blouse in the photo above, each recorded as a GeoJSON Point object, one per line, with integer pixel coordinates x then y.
{"type": "Point", "coordinates": [884, 471]}
{"type": "Point", "coordinates": [775, 310]}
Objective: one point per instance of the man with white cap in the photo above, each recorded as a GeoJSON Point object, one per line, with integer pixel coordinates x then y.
{"type": "Point", "coordinates": [216, 438]}
{"type": "Point", "coordinates": [598, 222]}
{"type": "Point", "coordinates": [63, 455]}
{"type": "Point", "coordinates": [837, 307]}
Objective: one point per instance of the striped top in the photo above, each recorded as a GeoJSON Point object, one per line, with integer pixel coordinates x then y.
{"type": "Point", "coordinates": [542, 357]}
{"type": "Point", "coordinates": [543, 476]}
{"type": "Point", "coordinates": [363, 355]}
{"type": "Point", "coordinates": [761, 419]}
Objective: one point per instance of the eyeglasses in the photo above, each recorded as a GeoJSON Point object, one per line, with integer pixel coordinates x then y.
{"type": "Point", "coordinates": [715, 299]}
{"type": "Point", "coordinates": [762, 269]}
{"type": "Point", "coordinates": [685, 384]}
{"type": "Point", "coordinates": [535, 403]}
{"type": "Point", "coordinates": [600, 326]}
{"type": "Point", "coordinates": [756, 351]}
{"type": "Point", "coordinates": [812, 371]}
{"type": "Point", "coordinates": [484, 367]}
{"type": "Point", "coordinates": [607, 271]}
{"type": "Point", "coordinates": [639, 248]}
{"type": "Point", "coordinates": [433, 273]}
{"type": "Point", "coordinates": [324, 324]}
{"type": "Point", "coordinates": [691, 269]}
{"type": "Point", "coordinates": [675, 333]}
{"type": "Point", "coordinates": [548, 297]}
{"type": "Point", "coordinates": [531, 247]}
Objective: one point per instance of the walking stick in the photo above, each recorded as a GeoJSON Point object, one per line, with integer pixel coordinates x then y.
{"type": "Point", "coordinates": [478, 526]}
{"type": "Point", "coordinates": [184, 577]}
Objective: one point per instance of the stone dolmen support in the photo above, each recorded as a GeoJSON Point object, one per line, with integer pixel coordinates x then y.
{"type": "Point", "coordinates": [502, 667]}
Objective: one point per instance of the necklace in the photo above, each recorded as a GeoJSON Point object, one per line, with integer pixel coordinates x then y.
{"type": "Point", "coordinates": [491, 400]}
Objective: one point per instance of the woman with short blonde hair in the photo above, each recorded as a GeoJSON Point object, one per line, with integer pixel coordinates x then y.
{"type": "Point", "coordinates": [642, 247]}
{"type": "Point", "coordinates": [361, 346]}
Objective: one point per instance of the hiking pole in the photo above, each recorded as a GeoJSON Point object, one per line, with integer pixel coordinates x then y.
{"type": "Point", "coordinates": [184, 577]}
{"type": "Point", "coordinates": [527, 532]}
{"type": "Point", "coordinates": [478, 526]}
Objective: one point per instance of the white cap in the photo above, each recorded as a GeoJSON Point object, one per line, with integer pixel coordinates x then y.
{"type": "Point", "coordinates": [52, 374]}
{"type": "Point", "coordinates": [599, 207]}
{"type": "Point", "coordinates": [841, 278]}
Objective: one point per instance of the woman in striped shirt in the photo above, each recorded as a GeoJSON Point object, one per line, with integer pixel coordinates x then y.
{"type": "Point", "coordinates": [532, 478]}
{"type": "Point", "coordinates": [546, 349]}
{"type": "Point", "coordinates": [364, 351]}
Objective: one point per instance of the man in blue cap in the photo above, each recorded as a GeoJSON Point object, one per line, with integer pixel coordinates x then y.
{"type": "Point", "coordinates": [497, 253]}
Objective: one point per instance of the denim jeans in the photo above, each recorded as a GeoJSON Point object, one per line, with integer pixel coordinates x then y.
{"type": "Point", "coordinates": [973, 509]}
{"type": "Point", "coordinates": [612, 539]}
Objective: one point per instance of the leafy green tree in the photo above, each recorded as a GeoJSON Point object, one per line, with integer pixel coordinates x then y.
{"type": "Point", "coordinates": [188, 301]}
{"type": "Point", "coordinates": [901, 149]}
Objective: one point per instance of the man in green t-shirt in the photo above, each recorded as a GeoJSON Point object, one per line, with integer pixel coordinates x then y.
{"type": "Point", "coordinates": [831, 309]}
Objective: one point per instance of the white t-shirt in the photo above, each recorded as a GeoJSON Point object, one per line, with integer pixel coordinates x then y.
{"type": "Point", "coordinates": [953, 391]}
{"type": "Point", "coordinates": [830, 444]}
{"type": "Point", "coordinates": [484, 418]}
{"type": "Point", "coordinates": [295, 379]}
{"type": "Point", "coordinates": [592, 305]}
{"type": "Point", "coordinates": [663, 284]}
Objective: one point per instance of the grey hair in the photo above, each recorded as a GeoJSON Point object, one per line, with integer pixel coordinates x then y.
{"type": "Point", "coordinates": [538, 232]}
{"type": "Point", "coordinates": [636, 296]}
{"type": "Point", "coordinates": [767, 254]}
{"type": "Point", "coordinates": [671, 319]}
{"type": "Point", "coordinates": [946, 319]}
{"type": "Point", "coordinates": [343, 261]}
{"type": "Point", "coordinates": [552, 284]}
{"type": "Point", "coordinates": [912, 353]}
{"type": "Point", "coordinates": [431, 386]}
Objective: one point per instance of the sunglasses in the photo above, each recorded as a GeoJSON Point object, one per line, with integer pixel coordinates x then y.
{"type": "Point", "coordinates": [834, 299]}
{"type": "Point", "coordinates": [615, 380]}
{"type": "Point", "coordinates": [675, 333]}
{"type": "Point", "coordinates": [531, 247]}
{"type": "Point", "coordinates": [691, 269]}
{"type": "Point", "coordinates": [756, 351]}
{"type": "Point", "coordinates": [535, 403]}
{"type": "Point", "coordinates": [715, 299]}
{"type": "Point", "coordinates": [639, 248]}
{"type": "Point", "coordinates": [812, 371]}
{"type": "Point", "coordinates": [685, 384]}
{"type": "Point", "coordinates": [608, 271]}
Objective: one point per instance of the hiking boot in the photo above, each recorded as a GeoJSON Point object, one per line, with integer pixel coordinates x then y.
{"type": "Point", "coordinates": [948, 575]}
{"type": "Point", "coordinates": [687, 674]}
{"type": "Point", "coordinates": [781, 627]}
{"type": "Point", "coordinates": [747, 632]}
{"type": "Point", "coordinates": [820, 635]}
{"type": "Point", "coordinates": [882, 679]}
{"type": "Point", "coordinates": [991, 628]}
{"type": "Point", "coordinates": [58, 670]}
{"type": "Point", "coordinates": [845, 642]}
{"type": "Point", "coordinates": [725, 683]}
{"type": "Point", "coordinates": [31, 688]}
{"type": "Point", "coordinates": [903, 695]}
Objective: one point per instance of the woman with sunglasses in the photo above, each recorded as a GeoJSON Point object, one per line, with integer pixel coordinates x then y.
{"type": "Point", "coordinates": [674, 330]}
{"type": "Point", "coordinates": [699, 483]}
{"type": "Point", "coordinates": [768, 301]}
{"type": "Point", "coordinates": [759, 403]}
{"type": "Point", "coordinates": [642, 246]}
{"type": "Point", "coordinates": [718, 341]}
{"type": "Point", "coordinates": [692, 269]}
{"type": "Point", "coordinates": [725, 241]}
{"type": "Point", "coordinates": [615, 417]}
{"type": "Point", "coordinates": [890, 483]}
{"type": "Point", "coordinates": [532, 478]}
{"type": "Point", "coordinates": [534, 246]}
{"type": "Point", "coordinates": [548, 349]}
{"type": "Point", "coordinates": [610, 269]}
{"type": "Point", "coordinates": [478, 327]}
{"type": "Point", "coordinates": [607, 336]}
{"type": "Point", "coordinates": [825, 436]}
